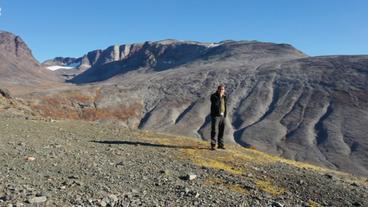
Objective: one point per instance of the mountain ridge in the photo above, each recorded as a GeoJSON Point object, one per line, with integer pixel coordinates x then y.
{"type": "Point", "coordinates": [128, 56]}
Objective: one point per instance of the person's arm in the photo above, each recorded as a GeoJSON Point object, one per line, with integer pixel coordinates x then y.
{"type": "Point", "coordinates": [213, 99]}
{"type": "Point", "coordinates": [225, 99]}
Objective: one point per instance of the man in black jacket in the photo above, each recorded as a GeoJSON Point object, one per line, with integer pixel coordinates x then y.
{"type": "Point", "coordinates": [218, 115]}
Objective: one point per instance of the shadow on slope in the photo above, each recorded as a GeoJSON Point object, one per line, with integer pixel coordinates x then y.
{"type": "Point", "coordinates": [136, 143]}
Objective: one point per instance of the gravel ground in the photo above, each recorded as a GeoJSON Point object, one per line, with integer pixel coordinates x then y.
{"type": "Point", "coordinates": [75, 163]}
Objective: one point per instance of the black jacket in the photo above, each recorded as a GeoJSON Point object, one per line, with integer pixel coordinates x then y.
{"type": "Point", "coordinates": [216, 104]}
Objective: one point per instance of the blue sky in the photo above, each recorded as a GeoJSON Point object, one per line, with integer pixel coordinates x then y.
{"type": "Point", "coordinates": [73, 27]}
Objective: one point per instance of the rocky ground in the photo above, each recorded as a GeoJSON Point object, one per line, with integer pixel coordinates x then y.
{"type": "Point", "coordinates": [76, 163]}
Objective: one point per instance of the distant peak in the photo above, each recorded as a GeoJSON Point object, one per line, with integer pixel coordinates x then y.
{"type": "Point", "coordinates": [175, 41]}
{"type": "Point", "coordinates": [6, 33]}
{"type": "Point", "coordinates": [167, 41]}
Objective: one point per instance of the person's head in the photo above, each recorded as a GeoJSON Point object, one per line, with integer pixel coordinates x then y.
{"type": "Point", "coordinates": [221, 89]}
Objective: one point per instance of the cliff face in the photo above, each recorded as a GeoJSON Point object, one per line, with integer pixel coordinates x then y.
{"type": "Point", "coordinates": [12, 45]}
{"type": "Point", "coordinates": [154, 56]}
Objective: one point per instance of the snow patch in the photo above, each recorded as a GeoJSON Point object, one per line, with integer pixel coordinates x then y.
{"type": "Point", "coordinates": [213, 45]}
{"type": "Point", "coordinates": [57, 67]}
{"type": "Point", "coordinates": [70, 66]}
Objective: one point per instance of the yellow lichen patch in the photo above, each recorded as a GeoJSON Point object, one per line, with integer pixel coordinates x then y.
{"type": "Point", "coordinates": [254, 155]}
{"type": "Point", "coordinates": [304, 165]}
{"type": "Point", "coordinates": [180, 142]}
{"type": "Point", "coordinates": [196, 158]}
{"type": "Point", "coordinates": [237, 188]}
{"type": "Point", "coordinates": [232, 187]}
{"type": "Point", "coordinates": [313, 204]}
{"type": "Point", "coordinates": [235, 159]}
{"type": "Point", "coordinates": [268, 187]}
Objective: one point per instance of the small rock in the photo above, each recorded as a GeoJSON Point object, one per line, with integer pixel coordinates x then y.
{"type": "Point", "coordinates": [3, 198]}
{"type": "Point", "coordinates": [102, 203]}
{"type": "Point", "coordinates": [277, 204]}
{"type": "Point", "coordinates": [41, 194]}
{"type": "Point", "coordinates": [73, 177]}
{"type": "Point", "coordinates": [30, 158]}
{"type": "Point", "coordinates": [39, 199]}
{"type": "Point", "coordinates": [113, 198]}
{"type": "Point", "coordinates": [301, 182]}
{"type": "Point", "coordinates": [357, 204]}
{"type": "Point", "coordinates": [192, 177]}
{"type": "Point", "coordinates": [128, 195]}
{"type": "Point", "coordinates": [79, 183]}
{"type": "Point", "coordinates": [189, 177]}
{"type": "Point", "coordinates": [90, 201]}
{"type": "Point", "coordinates": [22, 144]}
{"type": "Point", "coordinates": [329, 176]}
{"type": "Point", "coordinates": [5, 93]}
{"type": "Point", "coordinates": [354, 184]}
{"type": "Point", "coordinates": [166, 172]}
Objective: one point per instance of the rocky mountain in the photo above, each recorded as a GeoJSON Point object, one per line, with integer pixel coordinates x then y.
{"type": "Point", "coordinates": [18, 68]}
{"type": "Point", "coordinates": [150, 57]}
{"type": "Point", "coordinates": [61, 61]}
{"type": "Point", "coordinates": [104, 64]}
{"type": "Point", "coordinates": [281, 101]}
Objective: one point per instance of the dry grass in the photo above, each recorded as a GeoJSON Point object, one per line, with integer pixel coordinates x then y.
{"type": "Point", "coordinates": [214, 181]}
{"type": "Point", "coordinates": [269, 187]}
{"type": "Point", "coordinates": [196, 157]}
{"type": "Point", "coordinates": [239, 157]}
{"type": "Point", "coordinates": [236, 160]}
{"type": "Point", "coordinates": [313, 204]}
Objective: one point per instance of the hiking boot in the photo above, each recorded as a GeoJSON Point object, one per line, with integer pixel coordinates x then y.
{"type": "Point", "coordinates": [221, 147]}
{"type": "Point", "coordinates": [213, 147]}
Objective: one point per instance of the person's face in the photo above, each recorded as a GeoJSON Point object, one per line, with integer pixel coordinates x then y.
{"type": "Point", "coordinates": [221, 90]}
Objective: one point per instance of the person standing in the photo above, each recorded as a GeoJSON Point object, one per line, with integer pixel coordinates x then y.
{"type": "Point", "coordinates": [218, 115]}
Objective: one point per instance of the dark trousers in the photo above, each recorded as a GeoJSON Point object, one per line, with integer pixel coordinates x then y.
{"type": "Point", "coordinates": [217, 128]}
